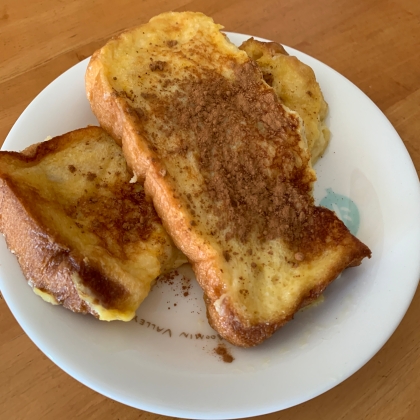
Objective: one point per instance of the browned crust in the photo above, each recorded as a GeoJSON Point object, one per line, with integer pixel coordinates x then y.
{"type": "Point", "coordinates": [44, 261]}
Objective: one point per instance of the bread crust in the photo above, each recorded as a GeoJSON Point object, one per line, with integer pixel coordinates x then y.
{"type": "Point", "coordinates": [151, 159]}
{"type": "Point", "coordinates": [41, 256]}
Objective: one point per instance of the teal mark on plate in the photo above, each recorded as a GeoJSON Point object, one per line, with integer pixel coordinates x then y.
{"type": "Point", "coordinates": [344, 208]}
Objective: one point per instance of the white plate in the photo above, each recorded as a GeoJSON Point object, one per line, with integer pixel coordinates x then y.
{"type": "Point", "coordinates": [164, 362]}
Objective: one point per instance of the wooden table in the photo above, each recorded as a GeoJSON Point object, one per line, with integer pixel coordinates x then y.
{"type": "Point", "coordinates": [374, 43]}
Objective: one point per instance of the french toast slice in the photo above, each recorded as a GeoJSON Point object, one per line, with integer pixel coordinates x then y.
{"type": "Point", "coordinates": [296, 86]}
{"type": "Point", "coordinates": [227, 167]}
{"type": "Point", "coordinates": [84, 236]}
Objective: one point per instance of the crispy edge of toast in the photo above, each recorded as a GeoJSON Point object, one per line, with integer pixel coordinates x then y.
{"type": "Point", "coordinates": [42, 257]}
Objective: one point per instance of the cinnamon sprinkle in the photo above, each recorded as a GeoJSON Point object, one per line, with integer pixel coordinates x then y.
{"type": "Point", "coordinates": [248, 148]}
{"type": "Point", "coordinates": [224, 354]}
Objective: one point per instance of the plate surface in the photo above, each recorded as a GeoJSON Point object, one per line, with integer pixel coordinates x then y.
{"type": "Point", "coordinates": [165, 360]}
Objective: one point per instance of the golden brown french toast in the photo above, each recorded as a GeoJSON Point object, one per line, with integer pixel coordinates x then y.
{"type": "Point", "coordinates": [296, 86]}
{"type": "Point", "coordinates": [84, 236]}
{"type": "Point", "coordinates": [227, 167]}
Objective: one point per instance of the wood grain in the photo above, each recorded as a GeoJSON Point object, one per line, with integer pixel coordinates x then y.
{"type": "Point", "coordinates": [374, 43]}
